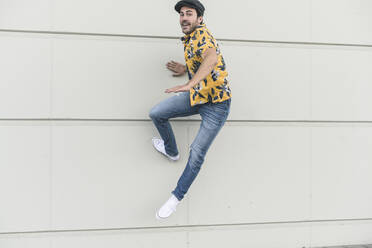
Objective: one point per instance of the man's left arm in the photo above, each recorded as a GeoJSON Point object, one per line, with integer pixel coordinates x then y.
{"type": "Point", "coordinates": [210, 60]}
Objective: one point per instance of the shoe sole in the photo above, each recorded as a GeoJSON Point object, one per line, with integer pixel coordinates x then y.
{"type": "Point", "coordinates": [158, 217]}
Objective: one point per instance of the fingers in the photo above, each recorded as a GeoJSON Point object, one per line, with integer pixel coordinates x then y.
{"type": "Point", "coordinates": [175, 67]}
{"type": "Point", "coordinates": [177, 70]}
{"type": "Point", "coordinates": [172, 63]}
{"type": "Point", "coordinates": [177, 74]}
{"type": "Point", "coordinates": [174, 89]}
{"type": "Point", "coordinates": [171, 67]}
{"type": "Point", "coordinates": [173, 70]}
{"type": "Point", "coordinates": [169, 90]}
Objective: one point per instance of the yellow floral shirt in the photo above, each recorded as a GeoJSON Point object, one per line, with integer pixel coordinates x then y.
{"type": "Point", "coordinates": [215, 87]}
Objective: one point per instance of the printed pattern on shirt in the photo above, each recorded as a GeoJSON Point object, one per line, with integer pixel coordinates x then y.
{"type": "Point", "coordinates": [214, 87]}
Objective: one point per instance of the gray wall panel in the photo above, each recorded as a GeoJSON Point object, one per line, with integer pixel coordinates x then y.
{"type": "Point", "coordinates": [330, 21]}
{"type": "Point", "coordinates": [18, 241]}
{"type": "Point", "coordinates": [109, 175]}
{"type": "Point", "coordinates": [291, 236]}
{"type": "Point", "coordinates": [281, 235]}
{"type": "Point", "coordinates": [115, 78]}
{"type": "Point", "coordinates": [269, 81]}
{"type": "Point", "coordinates": [92, 77]}
{"type": "Point", "coordinates": [119, 239]}
{"type": "Point", "coordinates": [346, 21]}
{"type": "Point", "coordinates": [24, 176]}
{"type": "Point", "coordinates": [25, 14]}
{"type": "Point", "coordinates": [25, 73]}
{"type": "Point", "coordinates": [253, 173]}
{"type": "Point", "coordinates": [289, 172]}
{"type": "Point", "coordinates": [134, 17]}
{"type": "Point", "coordinates": [341, 171]}
{"type": "Point", "coordinates": [251, 19]}
{"type": "Point", "coordinates": [341, 233]}
{"type": "Point", "coordinates": [341, 83]}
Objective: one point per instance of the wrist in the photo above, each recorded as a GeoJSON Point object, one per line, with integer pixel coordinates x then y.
{"type": "Point", "coordinates": [191, 84]}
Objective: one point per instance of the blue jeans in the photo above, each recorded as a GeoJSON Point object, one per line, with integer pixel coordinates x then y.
{"type": "Point", "coordinates": [213, 117]}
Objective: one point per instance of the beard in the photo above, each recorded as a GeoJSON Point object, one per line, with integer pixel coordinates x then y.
{"type": "Point", "coordinates": [190, 28]}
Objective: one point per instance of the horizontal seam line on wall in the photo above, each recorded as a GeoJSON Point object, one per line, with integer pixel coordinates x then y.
{"type": "Point", "coordinates": [184, 226]}
{"type": "Point", "coordinates": [179, 120]}
{"type": "Point", "coordinates": [177, 38]}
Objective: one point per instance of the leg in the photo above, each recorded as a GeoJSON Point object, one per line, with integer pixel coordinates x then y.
{"type": "Point", "coordinates": [175, 106]}
{"type": "Point", "coordinates": [213, 118]}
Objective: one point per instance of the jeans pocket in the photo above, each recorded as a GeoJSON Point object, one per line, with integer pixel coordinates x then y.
{"type": "Point", "coordinates": [221, 107]}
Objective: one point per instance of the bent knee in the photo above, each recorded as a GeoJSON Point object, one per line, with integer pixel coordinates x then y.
{"type": "Point", "coordinates": [154, 114]}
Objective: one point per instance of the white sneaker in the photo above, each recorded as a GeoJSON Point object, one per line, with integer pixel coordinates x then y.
{"type": "Point", "coordinates": [159, 146]}
{"type": "Point", "coordinates": [168, 208]}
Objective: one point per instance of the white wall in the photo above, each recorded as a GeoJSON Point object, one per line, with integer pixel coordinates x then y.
{"type": "Point", "coordinates": [291, 167]}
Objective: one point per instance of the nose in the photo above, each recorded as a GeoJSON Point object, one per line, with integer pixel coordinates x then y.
{"type": "Point", "coordinates": [183, 18]}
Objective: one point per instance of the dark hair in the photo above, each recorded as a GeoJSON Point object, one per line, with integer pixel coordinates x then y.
{"type": "Point", "coordinates": [199, 15]}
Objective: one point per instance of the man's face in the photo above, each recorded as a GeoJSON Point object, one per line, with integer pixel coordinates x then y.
{"type": "Point", "coordinates": [189, 19]}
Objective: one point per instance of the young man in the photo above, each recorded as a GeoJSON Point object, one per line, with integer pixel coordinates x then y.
{"type": "Point", "coordinates": [206, 93]}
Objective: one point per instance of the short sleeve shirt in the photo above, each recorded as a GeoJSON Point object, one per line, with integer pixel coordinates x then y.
{"type": "Point", "coordinates": [215, 87]}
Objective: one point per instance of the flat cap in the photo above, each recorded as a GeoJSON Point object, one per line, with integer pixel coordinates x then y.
{"type": "Point", "coordinates": [195, 4]}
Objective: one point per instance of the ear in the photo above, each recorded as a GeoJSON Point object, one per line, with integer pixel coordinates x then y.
{"type": "Point", "coordinates": [200, 19]}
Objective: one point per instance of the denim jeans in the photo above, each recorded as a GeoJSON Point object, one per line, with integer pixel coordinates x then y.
{"type": "Point", "coordinates": [213, 117]}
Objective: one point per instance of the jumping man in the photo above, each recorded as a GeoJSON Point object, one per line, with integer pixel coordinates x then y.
{"type": "Point", "coordinates": [206, 93]}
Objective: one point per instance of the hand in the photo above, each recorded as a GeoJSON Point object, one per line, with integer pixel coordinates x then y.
{"type": "Point", "coordinates": [178, 88]}
{"type": "Point", "coordinates": [177, 68]}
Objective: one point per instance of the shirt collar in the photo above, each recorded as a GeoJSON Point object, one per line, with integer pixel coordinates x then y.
{"type": "Point", "coordinates": [186, 38]}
